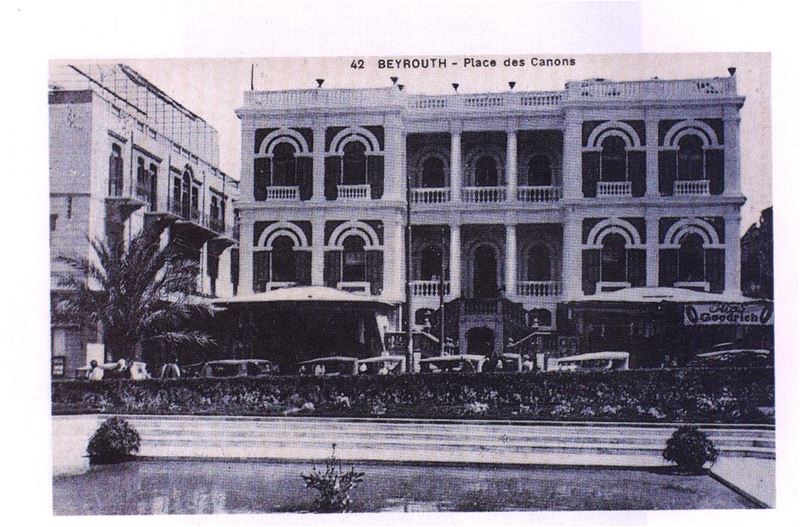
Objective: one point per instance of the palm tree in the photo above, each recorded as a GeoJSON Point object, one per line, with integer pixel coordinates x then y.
{"type": "Point", "coordinates": [137, 294]}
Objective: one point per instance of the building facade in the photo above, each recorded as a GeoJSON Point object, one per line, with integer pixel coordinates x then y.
{"type": "Point", "coordinates": [520, 201]}
{"type": "Point", "coordinates": [124, 156]}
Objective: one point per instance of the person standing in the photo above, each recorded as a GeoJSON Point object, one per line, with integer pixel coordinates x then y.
{"type": "Point", "coordinates": [95, 371]}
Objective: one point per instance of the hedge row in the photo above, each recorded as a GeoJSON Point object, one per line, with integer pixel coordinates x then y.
{"type": "Point", "coordinates": [724, 395]}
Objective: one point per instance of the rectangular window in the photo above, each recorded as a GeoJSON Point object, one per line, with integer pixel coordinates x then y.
{"type": "Point", "coordinates": [53, 220]}
{"type": "Point", "coordinates": [69, 207]}
{"type": "Point", "coordinates": [115, 176]}
{"type": "Point", "coordinates": [153, 177]}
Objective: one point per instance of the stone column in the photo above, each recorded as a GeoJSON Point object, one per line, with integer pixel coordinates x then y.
{"type": "Point", "coordinates": [318, 161]}
{"type": "Point", "coordinates": [511, 164]}
{"type": "Point", "coordinates": [455, 260]}
{"type": "Point", "coordinates": [731, 151]}
{"type": "Point", "coordinates": [572, 271]}
{"type": "Point", "coordinates": [511, 261]}
{"type": "Point", "coordinates": [651, 153]}
{"type": "Point", "coordinates": [455, 164]}
{"type": "Point", "coordinates": [317, 250]}
{"type": "Point", "coordinates": [573, 162]}
{"type": "Point", "coordinates": [248, 147]}
{"type": "Point", "coordinates": [733, 256]}
{"type": "Point", "coordinates": [246, 257]}
{"type": "Point", "coordinates": [651, 268]}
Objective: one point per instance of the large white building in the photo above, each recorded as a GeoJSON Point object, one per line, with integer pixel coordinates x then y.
{"type": "Point", "coordinates": [524, 200]}
{"type": "Point", "coordinates": [125, 156]}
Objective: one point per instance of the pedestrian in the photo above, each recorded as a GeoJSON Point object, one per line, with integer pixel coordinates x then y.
{"type": "Point", "coordinates": [95, 372]}
{"type": "Point", "coordinates": [171, 370]}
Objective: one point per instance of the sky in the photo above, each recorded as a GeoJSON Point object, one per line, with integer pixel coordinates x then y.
{"type": "Point", "coordinates": [213, 88]}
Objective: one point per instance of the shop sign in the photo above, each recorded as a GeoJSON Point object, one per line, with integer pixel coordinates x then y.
{"type": "Point", "coordinates": [728, 313]}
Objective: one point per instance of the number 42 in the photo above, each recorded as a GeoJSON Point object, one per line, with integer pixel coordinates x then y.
{"type": "Point", "coordinates": [357, 64]}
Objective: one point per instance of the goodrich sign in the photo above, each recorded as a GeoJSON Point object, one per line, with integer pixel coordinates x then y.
{"type": "Point", "coordinates": [733, 313]}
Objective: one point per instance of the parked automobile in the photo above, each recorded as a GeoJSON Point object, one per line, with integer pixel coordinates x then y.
{"type": "Point", "coordinates": [453, 363]}
{"type": "Point", "coordinates": [599, 361]}
{"type": "Point", "coordinates": [725, 356]}
{"type": "Point", "coordinates": [238, 368]}
{"type": "Point", "coordinates": [328, 366]}
{"type": "Point", "coordinates": [383, 365]}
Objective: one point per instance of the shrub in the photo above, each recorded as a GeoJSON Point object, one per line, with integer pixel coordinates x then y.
{"type": "Point", "coordinates": [690, 449]}
{"type": "Point", "coordinates": [333, 485]}
{"type": "Point", "coordinates": [115, 441]}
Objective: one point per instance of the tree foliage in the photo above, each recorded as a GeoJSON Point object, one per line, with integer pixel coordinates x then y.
{"type": "Point", "coordinates": [138, 293]}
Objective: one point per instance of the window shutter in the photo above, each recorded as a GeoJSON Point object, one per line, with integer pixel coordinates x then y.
{"type": "Point", "coordinates": [333, 169]}
{"type": "Point", "coordinates": [305, 177]}
{"type": "Point", "coordinates": [333, 268]}
{"type": "Point", "coordinates": [715, 269]}
{"type": "Point", "coordinates": [375, 176]}
{"type": "Point", "coordinates": [302, 262]}
{"type": "Point", "coordinates": [591, 270]}
{"type": "Point", "coordinates": [666, 172]}
{"type": "Point", "coordinates": [667, 267]}
{"type": "Point", "coordinates": [591, 173]}
{"type": "Point", "coordinates": [715, 171]}
{"type": "Point", "coordinates": [637, 172]}
{"type": "Point", "coordinates": [636, 267]}
{"type": "Point", "coordinates": [261, 173]}
{"type": "Point", "coordinates": [260, 271]}
{"type": "Point", "coordinates": [375, 271]}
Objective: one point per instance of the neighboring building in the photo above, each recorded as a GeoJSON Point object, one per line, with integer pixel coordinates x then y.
{"type": "Point", "coordinates": [534, 205]}
{"type": "Point", "coordinates": [125, 156]}
{"type": "Point", "coordinates": [757, 266]}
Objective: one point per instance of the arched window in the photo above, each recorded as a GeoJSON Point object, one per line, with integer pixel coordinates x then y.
{"type": "Point", "coordinates": [690, 158]}
{"type": "Point", "coordinates": [283, 261]}
{"type": "Point", "coordinates": [539, 264]}
{"type": "Point", "coordinates": [540, 173]}
{"type": "Point", "coordinates": [691, 259]}
{"type": "Point", "coordinates": [433, 173]}
{"type": "Point", "coordinates": [430, 264]}
{"type": "Point", "coordinates": [486, 172]}
{"type": "Point", "coordinates": [354, 164]}
{"type": "Point", "coordinates": [612, 159]}
{"type": "Point", "coordinates": [354, 260]}
{"type": "Point", "coordinates": [613, 261]}
{"type": "Point", "coordinates": [283, 165]}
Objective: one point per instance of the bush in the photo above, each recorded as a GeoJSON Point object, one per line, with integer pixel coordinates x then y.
{"type": "Point", "coordinates": [690, 449]}
{"type": "Point", "coordinates": [719, 395]}
{"type": "Point", "coordinates": [333, 485]}
{"type": "Point", "coordinates": [115, 441]}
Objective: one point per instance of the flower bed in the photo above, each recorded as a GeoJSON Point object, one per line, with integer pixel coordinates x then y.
{"type": "Point", "coordinates": [722, 395]}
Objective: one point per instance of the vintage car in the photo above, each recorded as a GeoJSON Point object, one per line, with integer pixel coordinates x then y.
{"type": "Point", "coordinates": [599, 361]}
{"type": "Point", "coordinates": [453, 363]}
{"type": "Point", "coordinates": [383, 365]}
{"type": "Point", "coordinates": [328, 366]}
{"type": "Point", "coordinates": [725, 355]}
{"type": "Point", "coordinates": [238, 368]}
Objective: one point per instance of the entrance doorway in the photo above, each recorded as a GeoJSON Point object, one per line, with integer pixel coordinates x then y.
{"type": "Point", "coordinates": [480, 341]}
{"type": "Point", "coordinates": [484, 278]}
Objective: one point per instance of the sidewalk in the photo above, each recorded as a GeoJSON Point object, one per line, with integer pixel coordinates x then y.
{"type": "Point", "coordinates": [755, 477]}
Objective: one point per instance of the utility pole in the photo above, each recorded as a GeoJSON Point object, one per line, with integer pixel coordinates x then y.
{"type": "Point", "coordinates": [441, 291]}
{"type": "Point", "coordinates": [409, 327]}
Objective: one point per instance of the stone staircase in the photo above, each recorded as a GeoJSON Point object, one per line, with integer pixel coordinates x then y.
{"type": "Point", "coordinates": [396, 440]}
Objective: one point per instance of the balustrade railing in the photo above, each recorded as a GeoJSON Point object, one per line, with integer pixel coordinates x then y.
{"type": "Point", "coordinates": [481, 306]}
{"type": "Point", "coordinates": [653, 89]}
{"type": "Point", "coordinates": [428, 288]}
{"type": "Point", "coordinates": [483, 194]}
{"type": "Point", "coordinates": [353, 191]}
{"type": "Point", "coordinates": [691, 188]}
{"type": "Point", "coordinates": [539, 289]}
{"type": "Point", "coordinates": [613, 188]}
{"type": "Point", "coordinates": [430, 195]}
{"type": "Point", "coordinates": [283, 193]}
{"type": "Point", "coordinates": [538, 194]}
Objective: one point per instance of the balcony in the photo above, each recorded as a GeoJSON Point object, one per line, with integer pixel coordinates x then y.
{"type": "Point", "coordinates": [692, 188]}
{"type": "Point", "coordinates": [427, 288]}
{"type": "Point", "coordinates": [539, 289]}
{"type": "Point", "coordinates": [120, 204]}
{"type": "Point", "coordinates": [283, 193]}
{"type": "Point", "coordinates": [483, 194]}
{"type": "Point", "coordinates": [538, 194]}
{"type": "Point", "coordinates": [427, 196]}
{"type": "Point", "coordinates": [613, 189]}
{"type": "Point", "coordinates": [192, 225]}
{"type": "Point", "coordinates": [353, 192]}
